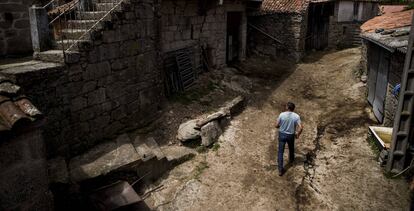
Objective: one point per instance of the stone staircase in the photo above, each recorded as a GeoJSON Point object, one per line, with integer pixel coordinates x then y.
{"type": "Point", "coordinates": [142, 155]}
{"type": "Point", "coordinates": [356, 37]}
{"type": "Point", "coordinates": [74, 29]}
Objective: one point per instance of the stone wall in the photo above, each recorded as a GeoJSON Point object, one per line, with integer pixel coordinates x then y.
{"type": "Point", "coordinates": [116, 84]}
{"type": "Point", "coordinates": [289, 29]}
{"type": "Point", "coordinates": [394, 78]}
{"type": "Point", "coordinates": [23, 175]}
{"type": "Point", "coordinates": [342, 34]}
{"type": "Point", "coordinates": [15, 27]}
{"type": "Point", "coordinates": [184, 26]}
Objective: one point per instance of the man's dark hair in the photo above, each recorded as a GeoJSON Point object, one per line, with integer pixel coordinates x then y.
{"type": "Point", "coordinates": [290, 106]}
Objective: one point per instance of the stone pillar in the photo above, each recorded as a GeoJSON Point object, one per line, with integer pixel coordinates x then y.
{"type": "Point", "coordinates": [39, 27]}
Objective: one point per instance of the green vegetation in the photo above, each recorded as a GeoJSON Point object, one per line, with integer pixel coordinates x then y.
{"type": "Point", "coordinates": [215, 146]}
{"type": "Point", "coordinates": [201, 149]}
{"type": "Point", "coordinates": [373, 146]}
{"type": "Point", "coordinates": [200, 169]}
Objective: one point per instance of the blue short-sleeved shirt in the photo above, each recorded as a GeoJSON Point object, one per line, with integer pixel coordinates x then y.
{"type": "Point", "coordinates": [288, 121]}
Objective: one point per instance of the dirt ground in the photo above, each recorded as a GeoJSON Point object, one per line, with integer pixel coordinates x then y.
{"type": "Point", "coordinates": [335, 168]}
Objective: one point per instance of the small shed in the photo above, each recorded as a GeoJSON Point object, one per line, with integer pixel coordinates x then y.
{"type": "Point", "coordinates": [385, 41]}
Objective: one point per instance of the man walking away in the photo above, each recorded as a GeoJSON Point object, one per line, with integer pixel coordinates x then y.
{"type": "Point", "coordinates": [290, 128]}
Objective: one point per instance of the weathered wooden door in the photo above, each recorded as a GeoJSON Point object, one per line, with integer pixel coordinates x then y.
{"type": "Point", "coordinates": [317, 36]}
{"type": "Point", "coordinates": [378, 80]}
{"type": "Point", "coordinates": [373, 57]}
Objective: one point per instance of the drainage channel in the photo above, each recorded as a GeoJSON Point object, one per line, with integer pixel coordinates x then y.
{"type": "Point", "coordinates": [309, 167]}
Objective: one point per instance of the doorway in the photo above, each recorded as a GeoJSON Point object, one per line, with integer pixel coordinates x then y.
{"type": "Point", "coordinates": [378, 66]}
{"type": "Point", "coordinates": [234, 20]}
{"type": "Point", "coordinates": [317, 34]}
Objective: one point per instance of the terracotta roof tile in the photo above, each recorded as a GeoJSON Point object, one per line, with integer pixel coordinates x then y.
{"type": "Point", "coordinates": [388, 21]}
{"type": "Point", "coordinates": [281, 6]}
{"type": "Point", "coordinates": [16, 110]}
{"type": "Point", "coordinates": [392, 8]}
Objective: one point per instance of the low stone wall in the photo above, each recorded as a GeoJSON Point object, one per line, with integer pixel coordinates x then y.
{"type": "Point", "coordinates": [23, 176]}
{"type": "Point", "coordinates": [15, 27]}
{"type": "Point", "coordinates": [183, 26]}
{"type": "Point", "coordinates": [289, 29]}
{"type": "Point", "coordinates": [115, 86]}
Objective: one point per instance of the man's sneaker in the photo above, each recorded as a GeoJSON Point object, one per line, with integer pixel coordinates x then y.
{"type": "Point", "coordinates": [281, 172]}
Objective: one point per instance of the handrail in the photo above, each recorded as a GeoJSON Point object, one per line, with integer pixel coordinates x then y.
{"type": "Point", "coordinates": [65, 11]}
{"type": "Point", "coordinates": [95, 24]}
{"type": "Point", "coordinates": [49, 3]}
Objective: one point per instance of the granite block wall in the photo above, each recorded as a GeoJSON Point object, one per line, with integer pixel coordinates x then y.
{"type": "Point", "coordinates": [15, 27]}
{"type": "Point", "coordinates": [184, 26]}
{"type": "Point", "coordinates": [289, 29]}
{"type": "Point", "coordinates": [115, 86]}
{"type": "Point", "coordinates": [394, 78]}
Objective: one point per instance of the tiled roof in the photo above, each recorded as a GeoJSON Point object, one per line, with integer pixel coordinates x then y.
{"type": "Point", "coordinates": [281, 6]}
{"type": "Point", "coordinates": [392, 8]}
{"type": "Point", "coordinates": [388, 21]}
{"type": "Point", "coordinates": [16, 110]}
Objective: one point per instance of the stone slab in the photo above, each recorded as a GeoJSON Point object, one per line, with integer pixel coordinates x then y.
{"type": "Point", "coordinates": [103, 159]}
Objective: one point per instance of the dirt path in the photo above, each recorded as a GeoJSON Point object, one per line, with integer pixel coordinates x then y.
{"type": "Point", "coordinates": [335, 168]}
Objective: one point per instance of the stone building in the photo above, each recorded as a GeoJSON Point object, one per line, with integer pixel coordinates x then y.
{"type": "Point", "coordinates": [385, 41]}
{"type": "Point", "coordinates": [211, 34]}
{"type": "Point", "coordinates": [289, 28]}
{"type": "Point", "coordinates": [112, 80]}
{"type": "Point", "coordinates": [220, 28]}
{"type": "Point", "coordinates": [15, 28]}
{"type": "Point", "coordinates": [23, 177]}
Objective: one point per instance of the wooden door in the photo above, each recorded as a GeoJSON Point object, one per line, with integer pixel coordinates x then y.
{"type": "Point", "coordinates": [381, 86]}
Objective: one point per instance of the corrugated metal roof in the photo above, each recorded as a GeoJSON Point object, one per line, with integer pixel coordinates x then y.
{"type": "Point", "coordinates": [16, 110]}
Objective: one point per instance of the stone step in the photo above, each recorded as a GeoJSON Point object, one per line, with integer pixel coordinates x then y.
{"type": "Point", "coordinates": [104, 159]}
{"type": "Point", "coordinates": [96, 15]}
{"type": "Point", "coordinates": [50, 56]}
{"type": "Point", "coordinates": [65, 44]}
{"type": "Point", "coordinates": [156, 150]}
{"type": "Point", "coordinates": [57, 56]}
{"type": "Point", "coordinates": [75, 34]}
{"type": "Point", "coordinates": [80, 24]}
{"type": "Point", "coordinates": [104, 6]}
{"type": "Point", "coordinates": [106, 1]}
{"type": "Point", "coordinates": [144, 151]}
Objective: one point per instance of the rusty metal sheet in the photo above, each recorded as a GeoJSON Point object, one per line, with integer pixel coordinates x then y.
{"type": "Point", "coordinates": [114, 196]}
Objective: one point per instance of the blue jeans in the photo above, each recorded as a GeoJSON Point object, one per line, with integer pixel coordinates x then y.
{"type": "Point", "coordinates": [290, 140]}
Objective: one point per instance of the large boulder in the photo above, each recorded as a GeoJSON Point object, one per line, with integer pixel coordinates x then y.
{"type": "Point", "coordinates": [188, 131]}
{"type": "Point", "coordinates": [210, 133]}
